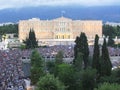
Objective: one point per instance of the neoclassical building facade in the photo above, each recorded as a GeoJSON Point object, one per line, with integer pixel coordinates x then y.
{"type": "Point", "coordinates": [60, 30]}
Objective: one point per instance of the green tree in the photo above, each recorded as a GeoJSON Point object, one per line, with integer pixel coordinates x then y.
{"type": "Point", "coordinates": [22, 47]}
{"type": "Point", "coordinates": [7, 29]}
{"type": "Point", "coordinates": [108, 30]}
{"type": "Point", "coordinates": [113, 78]}
{"type": "Point", "coordinates": [49, 82]}
{"type": "Point", "coordinates": [78, 65]}
{"type": "Point", "coordinates": [37, 67]}
{"type": "Point", "coordinates": [82, 47]}
{"type": "Point", "coordinates": [110, 42]}
{"type": "Point", "coordinates": [86, 50]}
{"type": "Point", "coordinates": [50, 66]}
{"type": "Point", "coordinates": [31, 41]}
{"type": "Point", "coordinates": [32, 37]}
{"type": "Point", "coordinates": [76, 49]}
{"type": "Point", "coordinates": [87, 79]}
{"type": "Point", "coordinates": [96, 55]}
{"type": "Point", "coordinates": [111, 30]}
{"type": "Point", "coordinates": [59, 58]}
{"type": "Point", "coordinates": [108, 86]}
{"type": "Point", "coordinates": [105, 63]}
{"type": "Point", "coordinates": [116, 73]}
{"type": "Point", "coordinates": [58, 61]}
{"type": "Point", "coordinates": [66, 74]}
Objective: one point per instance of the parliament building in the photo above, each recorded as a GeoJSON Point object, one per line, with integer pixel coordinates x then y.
{"type": "Point", "coordinates": [59, 31]}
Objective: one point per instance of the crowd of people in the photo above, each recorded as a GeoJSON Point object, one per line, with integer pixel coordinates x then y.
{"type": "Point", "coordinates": [68, 51]}
{"type": "Point", "coordinates": [11, 74]}
{"type": "Point", "coordinates": [114, 51]}
{"type": "Point", "coordinates": [50, 52]}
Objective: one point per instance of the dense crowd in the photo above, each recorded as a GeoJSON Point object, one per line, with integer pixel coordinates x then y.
{"type": "Point", "coordinates": [114, 51]}
{"type": "Point", "coordinates": [11, 74]}
{"type": "Point", "coordinates": [68, 51]}
{"type": "Point", "coordinates": [50, 52]}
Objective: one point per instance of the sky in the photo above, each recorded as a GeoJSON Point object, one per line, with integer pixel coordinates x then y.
{"type": "Point", "coordinates": [26, 3]}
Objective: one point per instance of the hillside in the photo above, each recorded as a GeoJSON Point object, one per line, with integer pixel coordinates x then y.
{"type": "Point", "coordinates": [107, 13]}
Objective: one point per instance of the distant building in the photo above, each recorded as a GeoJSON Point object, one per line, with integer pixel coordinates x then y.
{"type": "Point", "coordinates": [60, 30]}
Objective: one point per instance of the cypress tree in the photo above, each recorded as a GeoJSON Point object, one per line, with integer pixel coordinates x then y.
{"type": "Point", "coordinates": [31, 41]}
{"type": "Point", "coordinates": [81, 47]}
{"type": "Point", "coordinates": [96, 55]}
{"type": "Point", "coordinates": [76, 49]}
{"type": "Point", "coordinates": [106, 65]}
{"type": "Point", "coordinates": [79, 61]}
{"type": "Point", "coordinates": [27, 43]}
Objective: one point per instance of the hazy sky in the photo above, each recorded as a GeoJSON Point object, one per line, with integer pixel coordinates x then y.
{"type": "Point", "coordinates": [24, 3]}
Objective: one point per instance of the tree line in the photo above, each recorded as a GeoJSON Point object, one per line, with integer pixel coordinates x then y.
{"type": "Point", "coordinates": [112, 31]}
{"type": "Point", "coordinates": [11, 28]}
{"type": "Point", "coordinates": [83, 74]}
